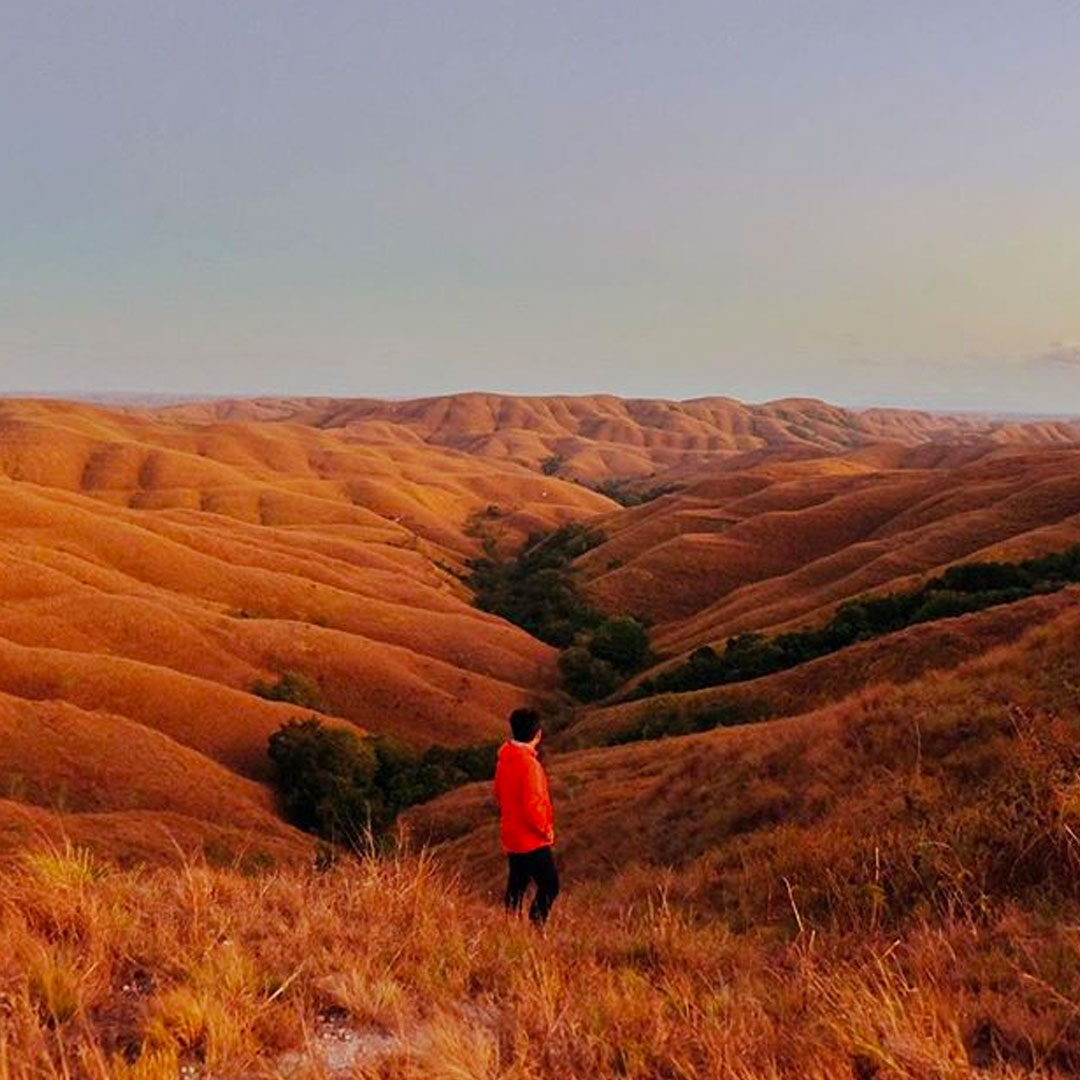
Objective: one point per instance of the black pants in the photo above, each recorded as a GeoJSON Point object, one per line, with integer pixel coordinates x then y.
{"type": "Point", "coordinates": [538, 866]}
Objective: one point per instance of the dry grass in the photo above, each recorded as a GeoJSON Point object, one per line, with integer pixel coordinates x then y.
{"type": "Point", "coordinates": [887, 889]}
{"type": "Point", "coordinates": [141, 974]}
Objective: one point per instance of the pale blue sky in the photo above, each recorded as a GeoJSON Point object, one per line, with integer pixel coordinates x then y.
{"type": "Point", "coordinates": [861, 201]}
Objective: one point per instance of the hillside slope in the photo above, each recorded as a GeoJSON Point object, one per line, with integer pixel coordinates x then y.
{"type": "Point", "coordinates": [129, 792]}
{"type": "Point", "coordinates": [934, 767]}
{"type": "Point", "coordinates": [781, 544]}
{"type": "Point", "coordinates": [896, 658]}
{"type": "Point", "coordinates": [884, 888]}
{"type": "Point", "coordinates": [154, 571]}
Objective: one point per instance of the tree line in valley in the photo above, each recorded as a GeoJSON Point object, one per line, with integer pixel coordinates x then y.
{"type": "Point", "coordinates": [961, 589]}
{"type": "Point", "coordinates": [537, 589]}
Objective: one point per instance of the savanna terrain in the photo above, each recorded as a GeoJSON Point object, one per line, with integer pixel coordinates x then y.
{"type": "Point", "coordinates": [867, 868]}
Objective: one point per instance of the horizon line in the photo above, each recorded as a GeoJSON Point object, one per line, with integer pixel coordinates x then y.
{"type": "Point", "coordinates": [160, 397]}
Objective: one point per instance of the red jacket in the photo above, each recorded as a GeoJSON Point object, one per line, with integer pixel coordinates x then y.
{"type": "Point", "coordinates": [521, 789]}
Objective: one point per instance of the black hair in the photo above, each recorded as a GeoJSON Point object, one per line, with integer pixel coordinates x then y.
{"type": "Point", "coordinates": [524, 723]}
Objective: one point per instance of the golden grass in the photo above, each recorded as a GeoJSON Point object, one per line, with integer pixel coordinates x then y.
{"type": "Point", "coordinates": [885, 889]}
{"type": "Point", "coordinates": [389, 965]}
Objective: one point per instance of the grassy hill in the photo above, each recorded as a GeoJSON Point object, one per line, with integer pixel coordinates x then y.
{"type": "Point", "coordinates": [781, 544]}
{"type": "Point", "coordinates": [596, 437]}
{"type": "Point", "coordinates": [882, 888]}
{"type": "Point", "coordinates": [955, 787]}
{"type": "Point", "coordinates": [893, 659]}
{"type": "Point", "coordinates": [154, 571]}
{"type": "Point", "coordinates": [158, 564]}
{"type": "Point", "coordinates": [878, 882]}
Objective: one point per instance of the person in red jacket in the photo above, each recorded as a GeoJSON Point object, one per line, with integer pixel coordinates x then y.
{"type": "Point", "coordinates": [527, 823]}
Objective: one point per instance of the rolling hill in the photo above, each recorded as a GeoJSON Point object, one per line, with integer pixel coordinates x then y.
{"type": "Point", "coordinates": [158, 561]}
{"type": "Point", "coordinates": [896, 659]}
{"type": "Point", "coordinates": [153, 571]}
{"type": "Point", "coordinates": [779, 545]}
{"type": "Point", "coordinates": [599, 437]}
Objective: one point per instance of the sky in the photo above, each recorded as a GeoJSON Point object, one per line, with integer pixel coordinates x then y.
{"type": "Point", "coordinates": [867, 202]}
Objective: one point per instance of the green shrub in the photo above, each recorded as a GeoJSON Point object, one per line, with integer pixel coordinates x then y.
{"type": "Point", "coordinates": [537, 589]}
{"type": "Point", "coordinates": [291, 687]}
{"type": "Point", "coordinates": [619, 491]}
{"type": "Point", "coordinates": [585, 676]}
{"type": "Point", "coordinates": [405, 778]}
{"type": "Point", "coordinates": [325, 778]}
{"type": "Point", "coordinates": [622, 642]}
{"type": "Point", "coordinates": [666, 720]}
{"type": "Point", "coordinates": [342, 787]}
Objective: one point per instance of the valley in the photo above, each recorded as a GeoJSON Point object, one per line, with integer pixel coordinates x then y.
{"type": "Point", "coordinates": [159, 563]}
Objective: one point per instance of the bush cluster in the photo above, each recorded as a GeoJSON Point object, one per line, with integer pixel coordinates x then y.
{"type": "Point", "coordinates": [538, 591]}
{"type": "Point", "coordinates": [602, 659]}
{"type": "Point", "coordinates": [963, 588]}
{"type": "Point", "coordinates": [345, 788]}
{"type": "Point", "coordinates": [668, 721]}
{"type": "Point", "coordinates": [291, 687]}
{"type": "Point", "coordinates": [621, 492]}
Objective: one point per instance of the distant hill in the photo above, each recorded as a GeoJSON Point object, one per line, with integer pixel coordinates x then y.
{"type": "Point", "coordinates": [596, 437]}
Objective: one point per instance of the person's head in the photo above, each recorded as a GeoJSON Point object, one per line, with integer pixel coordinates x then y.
{"type": "Point", "coordinates": [525, 725]}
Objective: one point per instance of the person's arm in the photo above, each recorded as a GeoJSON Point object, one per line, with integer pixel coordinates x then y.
{"type": "Point", "coordinates": [538, 809]}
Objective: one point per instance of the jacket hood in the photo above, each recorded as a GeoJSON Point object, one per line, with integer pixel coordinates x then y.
{"type": "Point", "coordinates": [510, 749]}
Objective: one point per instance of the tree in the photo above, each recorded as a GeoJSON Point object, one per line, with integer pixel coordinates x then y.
{"type": "Point", "coordinates": [586, 676]}
{"type": "Point", "coordinates": [342, 787]}
{"type": "Point", "coordinates": [325, 777]}
{"type": "Point", "coordinates": [623, 642]}
{"type": "Point", "coordinates": [985, 577]}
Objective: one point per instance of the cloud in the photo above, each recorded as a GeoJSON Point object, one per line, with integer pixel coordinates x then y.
{"type": "Point", "coordinates": [1059, 355]}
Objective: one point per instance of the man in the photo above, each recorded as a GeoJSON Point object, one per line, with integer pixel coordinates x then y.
{"type": "Point", "coordinates": [527, 826]}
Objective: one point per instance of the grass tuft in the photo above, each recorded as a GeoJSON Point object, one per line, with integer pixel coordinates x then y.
{"type": "Point", "coordinates": [65, 867]}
